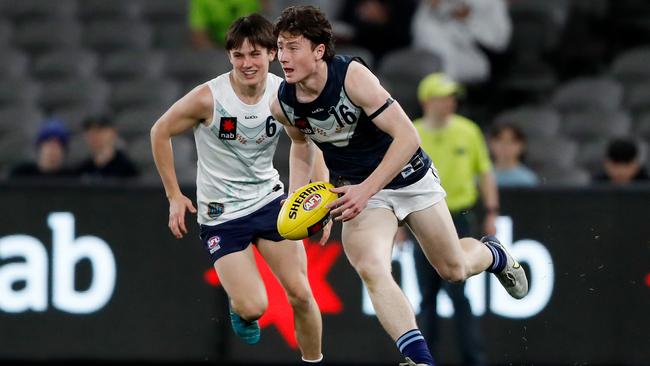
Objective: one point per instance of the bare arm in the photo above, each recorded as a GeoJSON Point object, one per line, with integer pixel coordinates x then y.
{"type": "Point", "coordinates": [364, 90]}
{"type": "Point", "coordinates": [302, 153]}
{"type": "Point", "coordinates": [194, 107]}
{"type": "Point", "coordinates": [305, 160]}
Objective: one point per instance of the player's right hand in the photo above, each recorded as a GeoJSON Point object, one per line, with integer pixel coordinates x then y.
{"type": "Point", "coordinates": [177, 206]}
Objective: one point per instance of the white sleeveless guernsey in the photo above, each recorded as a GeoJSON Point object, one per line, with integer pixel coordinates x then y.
{"type": "Point", "coordinates": [235, 173]}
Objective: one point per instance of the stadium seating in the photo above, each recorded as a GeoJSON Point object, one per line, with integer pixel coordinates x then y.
{"type": "Point", "coordinates": [637, 99]}
{"type": "Point", "coordinates": [39, 36]}
{"type": "Point", "coordinates": [402, 75]}
{"type": "Point", "coordinates": [18, 91]}
{"type": "Point", "coordinates": [101, 35]}
{"type": "Point", "coordinates": [137, 121]}
{"type": "Point", "coordinates": [90, 92]}
{"type": "Point", "coordinates": [12, 63]}
{"type": "Point", "coordinates": [631, 67]}
{"type": "Point", "coordinates": [37, 10]}
{"type": "Point", "coordinates": [129, 64]}
{"type": "Point", "coordinates": [133, 93]}
{"type": "Point", "coordinates": [592, 125]}
{"type": "Point", "coordinates": [588, 94]}
{"type": "Point", "coordinates": [65, 64]}
{"type": "Point", "coordinates": [534, 121]}
{"type": "Point", "coordinates": [92, 10]}
{"type": "Point", "coordinates": [549, 153]}
{"type": "Point", "coordinates": [75, 58]}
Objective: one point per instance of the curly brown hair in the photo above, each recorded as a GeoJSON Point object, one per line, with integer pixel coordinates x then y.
{"type": "Point", "coordinates": [311, 23]}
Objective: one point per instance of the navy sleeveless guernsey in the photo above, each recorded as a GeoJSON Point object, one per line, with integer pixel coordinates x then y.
{"type": "Point", "coordinates": [352, 145]}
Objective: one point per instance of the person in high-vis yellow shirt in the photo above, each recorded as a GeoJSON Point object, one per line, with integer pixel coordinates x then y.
{"type": "Point", "coordinates": [209, 20]}
{"type": "Point", "coordinates": [458, 150]}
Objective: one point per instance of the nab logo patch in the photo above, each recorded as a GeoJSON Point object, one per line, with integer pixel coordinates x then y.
{"type": "Point", "coordinates": [228, 128]}
{"type": "Point", "coordinates": [213, 244]}
{"type": "Point", "coordinates": [303, 125]}
{"type": "Point", "coordinates": [312, 202]}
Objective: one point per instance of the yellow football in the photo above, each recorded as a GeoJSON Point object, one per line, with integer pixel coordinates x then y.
{"type": "Point", "coordinates": [303, 214]}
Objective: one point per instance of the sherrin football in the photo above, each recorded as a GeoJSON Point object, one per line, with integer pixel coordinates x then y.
{"type": "Point", "coordinates": [303, 214]}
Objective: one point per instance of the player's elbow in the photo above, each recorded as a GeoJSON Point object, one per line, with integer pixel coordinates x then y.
{"type": "Point", "coordinates": [158, 131]}
{"type": "Point", "coordinates": [410, 141]}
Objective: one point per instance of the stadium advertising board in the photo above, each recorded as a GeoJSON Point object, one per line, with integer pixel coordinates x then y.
{"type": "Point", "coordinates": [93, 274]}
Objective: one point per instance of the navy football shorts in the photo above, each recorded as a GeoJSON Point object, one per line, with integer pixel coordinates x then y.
{"type": "Point", "coordinates": [235, 235]}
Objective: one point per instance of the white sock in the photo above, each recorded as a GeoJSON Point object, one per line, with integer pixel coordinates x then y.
{"type": "Point", "coordinates": [320, 359]}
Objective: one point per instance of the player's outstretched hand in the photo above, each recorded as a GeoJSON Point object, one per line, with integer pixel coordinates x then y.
{"type": "Point", "coordinates": [353, 199]}
{"type": "Point", "coordinates": [177, 206]}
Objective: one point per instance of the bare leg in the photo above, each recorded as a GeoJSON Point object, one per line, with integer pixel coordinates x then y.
{"type": "Point", "coordinates": [288, 261]}
{"type": "Point", "coordinates": [454, 259]}
{"type": "Point", "coordinates": [243, 284]}
{"type": "Point", "coordinates": [368, 244]}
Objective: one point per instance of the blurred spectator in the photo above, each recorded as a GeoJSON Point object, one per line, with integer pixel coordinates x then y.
{"type": "Point", "coordinates": [209, 19]}
{"type": "Point", "coordinates": [457, 148]}
{"type": "Point", "coordinates": [459, 31]}
{"type": "Point", "coordinates": [622, 164]}
{"type": "Point", "coordinates": [106, 159]}
{"type": "Point", "coordinates": [508, 144]}
{"type": "Point", "coordinates": [379, 25]}
{"type": "Point", "coordinates": [51, 146]}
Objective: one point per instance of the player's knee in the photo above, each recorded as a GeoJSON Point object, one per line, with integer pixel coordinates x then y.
{"type": "Point", "coordinates": [250, 309]}
{"type": "Point", "coordinates": [454, 273]}
{"type": "Point", "coordinates": [372, 272]}
{"type": "Point", "coordinates": [300, 296]}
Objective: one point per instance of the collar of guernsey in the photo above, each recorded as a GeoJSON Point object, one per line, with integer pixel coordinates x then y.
{"type": "Point", "coordinates": [352, 145]}
{"type": "Point", "coordinates": [460, 155]}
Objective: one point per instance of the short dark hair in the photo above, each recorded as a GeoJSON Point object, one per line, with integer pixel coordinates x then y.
{"type": "Point", "coordinates": [99, 120]}
{"type": "Point", "coordinates": [257, 29]}
{"type": "Point", "coordinates": [311, 23]}
{"type": "Point", "coordinates": [498, 128]}
{"type": "Point", "coordinates": [622, 150]}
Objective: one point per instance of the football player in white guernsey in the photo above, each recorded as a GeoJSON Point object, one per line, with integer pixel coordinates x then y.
{"type": "Point", "coordinates": [238, 191]}
{"type": "Point", "coordinates": [311, 103]}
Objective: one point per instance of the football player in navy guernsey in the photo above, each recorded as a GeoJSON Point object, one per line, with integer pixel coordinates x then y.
{"type": "Point", "coordinates": [373, 155]}
{"type": "Point", "coordinates": [238, 189]}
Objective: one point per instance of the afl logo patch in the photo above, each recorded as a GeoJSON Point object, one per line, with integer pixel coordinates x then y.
{"type": "Point", "coordinates": [213, 244]}
{"type": "Point", "coordinates": [228, 128]}
{"type": "Point", "coordinates": [312, 202]}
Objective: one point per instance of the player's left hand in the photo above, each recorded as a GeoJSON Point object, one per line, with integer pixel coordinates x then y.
{"type": "Point", "coordinates": [353, 199]}
{"type": "Point", "coordinates": [489, 224]}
